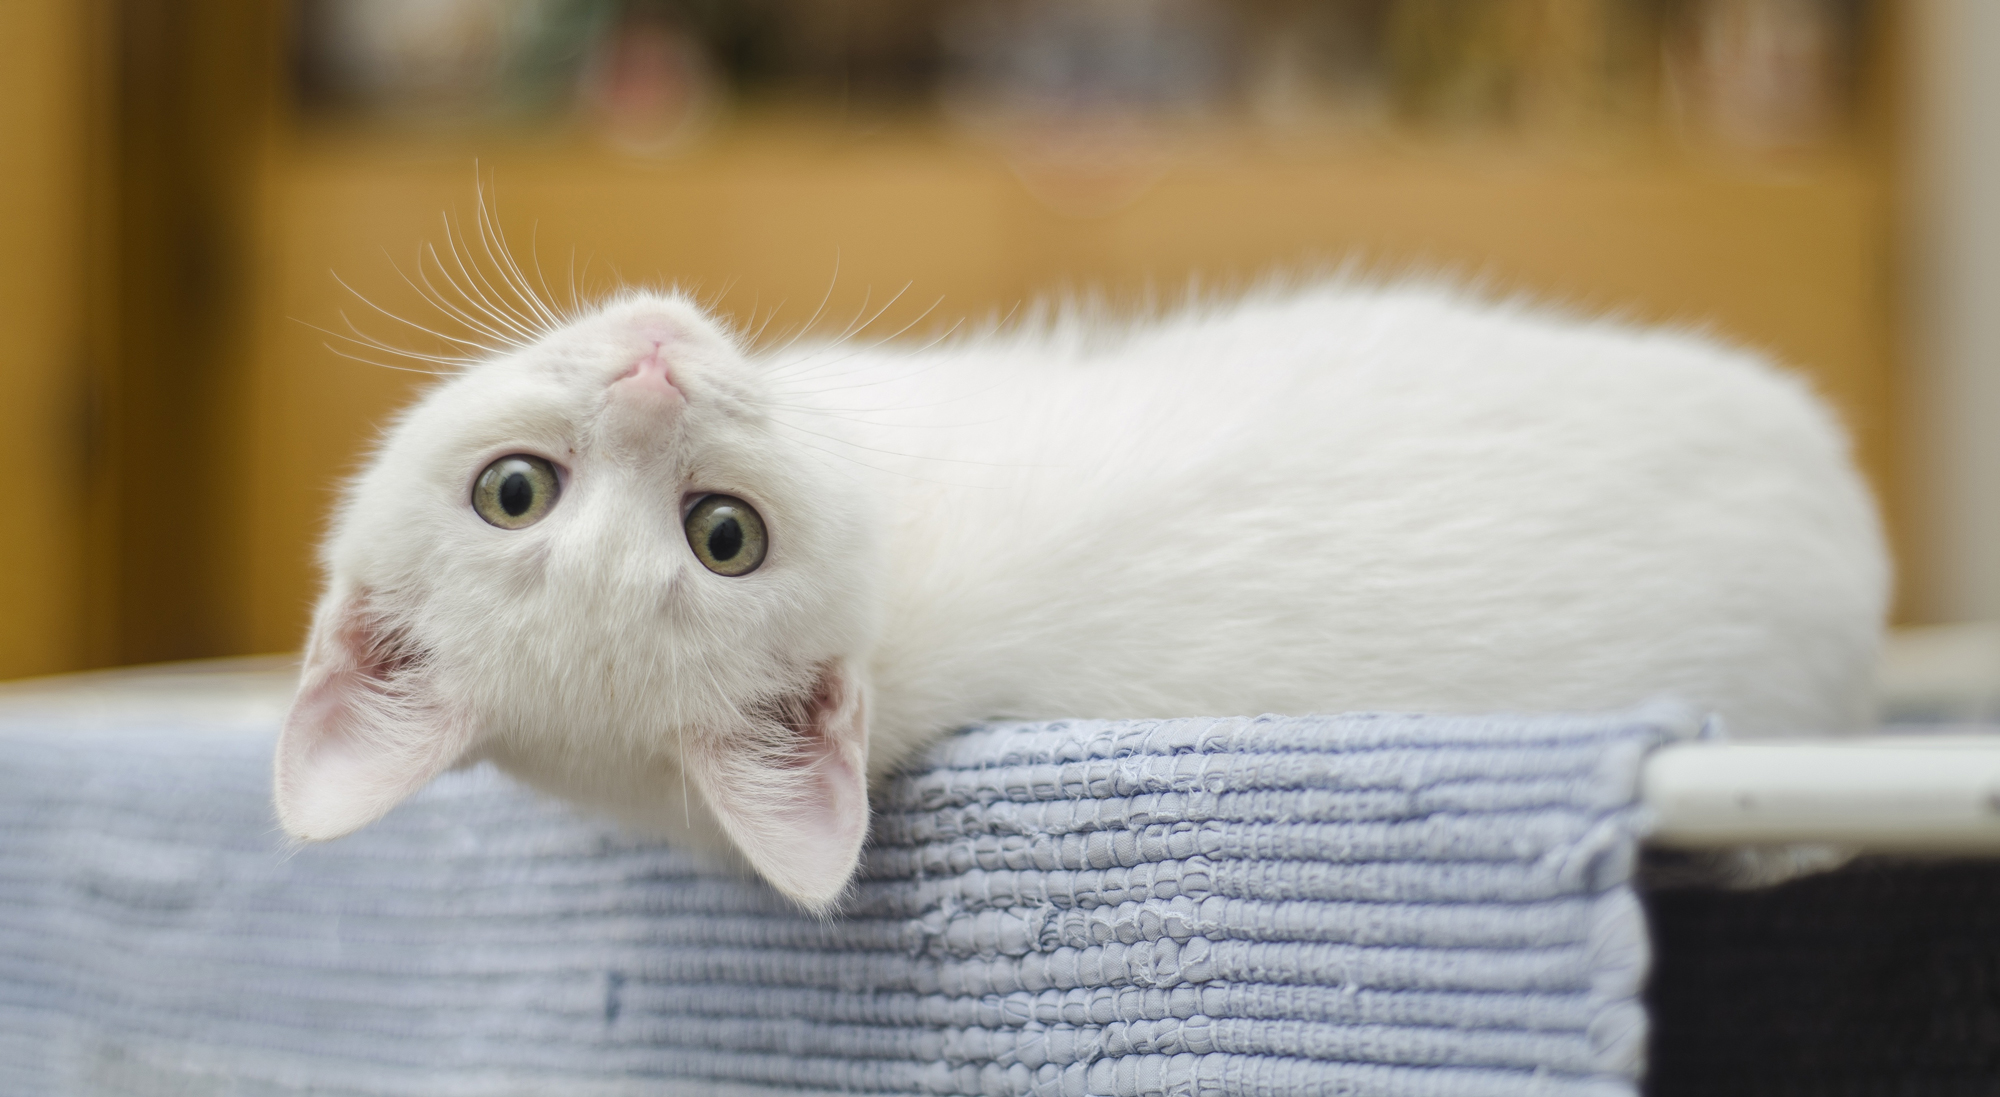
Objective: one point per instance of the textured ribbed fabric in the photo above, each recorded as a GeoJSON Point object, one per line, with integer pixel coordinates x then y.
{"type": "Point", "coordinates": [1273, 906]}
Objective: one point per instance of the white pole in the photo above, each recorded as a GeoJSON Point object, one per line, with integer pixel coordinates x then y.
{"type": "Point", "coordinates": [1918, 794]}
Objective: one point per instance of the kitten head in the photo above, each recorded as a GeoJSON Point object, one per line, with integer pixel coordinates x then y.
{"type": "Point", "coordinates": [602, 562]}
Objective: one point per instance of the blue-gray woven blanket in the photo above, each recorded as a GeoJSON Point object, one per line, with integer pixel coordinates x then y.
{"type": "Point", "coordinates": [1274, 906]}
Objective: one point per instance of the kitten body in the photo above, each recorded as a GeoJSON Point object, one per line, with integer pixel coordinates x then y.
{"type": "Point", "coordinates": [1319, 500]}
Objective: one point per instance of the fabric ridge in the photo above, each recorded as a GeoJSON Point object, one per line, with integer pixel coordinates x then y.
{"type": "Point", "coordinates": [1394, 905]}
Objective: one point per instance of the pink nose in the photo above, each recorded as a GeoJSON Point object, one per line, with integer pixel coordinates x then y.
{"type": "Point", "coordinates": [650, 374]}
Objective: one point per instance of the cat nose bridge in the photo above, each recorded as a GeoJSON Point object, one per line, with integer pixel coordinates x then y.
{"type": "Point", "coordinates": [644, 402]}
{"type": "Point", "coordinates": [652, 373]}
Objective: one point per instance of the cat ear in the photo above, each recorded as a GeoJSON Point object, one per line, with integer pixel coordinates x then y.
{"type": "Point", "coordinates": [367, 728]}
{"type": "Point", "coordinates": [797, 810]}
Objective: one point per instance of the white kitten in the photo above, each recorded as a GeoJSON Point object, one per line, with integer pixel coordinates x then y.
{"type": "Point", "coordinates": [1315, 501]}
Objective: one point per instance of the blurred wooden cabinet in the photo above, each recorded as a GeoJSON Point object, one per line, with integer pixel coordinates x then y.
{"type": "Point", "coordinates": [130, 133]}
{"type": "Point", "coordinates": [45, 122]}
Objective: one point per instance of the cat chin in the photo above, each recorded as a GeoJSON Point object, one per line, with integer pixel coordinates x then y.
{"type": "Point", "coordinates": [784, 793]}
{"type": "Point", "coordinates": [650, 800]}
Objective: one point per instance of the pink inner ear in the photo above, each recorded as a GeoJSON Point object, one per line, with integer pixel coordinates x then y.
{"type": "Point", "coordinates": [367, 729]}
{"type": "Point", "coordinates": [798, 814]}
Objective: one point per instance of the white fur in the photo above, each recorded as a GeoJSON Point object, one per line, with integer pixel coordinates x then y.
{"type": "Point", "coordinates": [1315, 500]}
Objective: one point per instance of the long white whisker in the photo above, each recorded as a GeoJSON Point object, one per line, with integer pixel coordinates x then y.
{"type": "Point", "coordinates": [887, 305]}
{"type": "Point", "coordinates": [446, 304]}
{"type": "Point", "coordinates": [475, 344]}
{"type": "Point", "coordinates": [535, 258]}
{"type": "Point", "coordinates": [469, 292]}
{"type": "Point", "coordinates": [498, 312]}
{"type": "Point", "coordinates": [814, 318]}
{"type": "Point", "coordinates": [801, 376]}
{"type": "Point", "coordinates": [587, 260]}
{"type": "Point", "coordinates": [495, 247]}
{"type": "Point", "coordinates": [897, 334]}
{"type": "Point", "coordinates": [478, 297]}
{"type": "Point", "coordinates": [772, 315]}
{"type": "Point", "coordinates": [853, 327]}
{"type": "Point", "coordinates": [437, 300]}
{"type": "Point", "coordinates": [384, 365]}
{"type": "Point", "coordinates": [374, 344]}
{"type": "Point", "coordinates": [490, 227]}
{"type": "Point", "coordinates": [715, 305]}
{"type": "Point", "coordinates": [503, 296]}
{"type": "Point", "coordinates": [463, 316]}
{"type": "Point", "coordinates": [866, 293]}
{"type": "Point", "coordinates": [360, 336]}
{"type": "Point", "coordinates": [367, 340]}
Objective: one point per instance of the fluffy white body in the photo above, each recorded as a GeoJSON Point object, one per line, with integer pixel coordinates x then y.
{"type": "Point", "coordinates": [1319, 500]}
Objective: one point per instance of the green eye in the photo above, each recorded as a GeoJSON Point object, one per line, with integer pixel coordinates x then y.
{"type": "Point", "coordinates": [516, 491]}
{"type": "Point", "coordinates": [726, 535]}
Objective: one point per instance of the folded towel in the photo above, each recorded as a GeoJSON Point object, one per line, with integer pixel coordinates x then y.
{"type": "Point", "coordinates": [1333, 905]}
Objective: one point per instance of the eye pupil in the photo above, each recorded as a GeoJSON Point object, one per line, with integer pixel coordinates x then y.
{"type": "Point", "coordinates": [727, 535]}
{"type": "Point", "coordinates": [516, 491]}
{"type": "Point", "coordinates": [725, 540]}
{"type": "Point", "coordinates": [516, 494]}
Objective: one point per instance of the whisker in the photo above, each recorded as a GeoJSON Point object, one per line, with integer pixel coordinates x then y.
{"type": "Point", "coordinates": [772, 315]}
{"type": "Point", "coordinates": [530, 325]}
{"type": "Point", "coordinates": [367, 340]}
{"type": "Point", "coordinates": [587, 260]}
{"type": "Point", "coordinates": [491, 237]}
{"type": "Point", "coordinates": [853, 327]}
{"type": "Point", "coordinates": [716, 304]}
{"type": "Point", "coordinates": [469, 292]}
{"type": "Point", "coordinates": [814, 318]}
{"type": "Point", "coordinates": [438, 300]}
{"type": "Point", "coordinates": [411, 323]}
{"type": "Point", "coordinates": [545, 319]}
{"type": "Point", "coordinates": [374, 344]}
{"type": "Point", "coordinates": [474, 280]}
{"type": "Point", "coordinates": [887, 305]}
{"type": "Point", "coordinates": [482, 287]}
{"type": "Point", "coordinates": [864, 350]}
{"type": "Point", "coordinates": [384, 365]}
{"type": "Point", "coordinates": [918, 319]}
{"type": "Point", "coordinates": [866, 293]}
{"type": "Point", "coordinates": [535, 258]}
{"type": "Point", "coordinates": [458, 313]}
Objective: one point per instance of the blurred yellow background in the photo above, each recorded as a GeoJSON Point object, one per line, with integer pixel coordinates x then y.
{"type": "Point", "coordinates": [193, 199]}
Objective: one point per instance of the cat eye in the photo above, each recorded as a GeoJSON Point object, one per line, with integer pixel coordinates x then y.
{"type": "Point", "coordinates": [726, 534]}
{"type": "Point", "coordinates": [516, 491]}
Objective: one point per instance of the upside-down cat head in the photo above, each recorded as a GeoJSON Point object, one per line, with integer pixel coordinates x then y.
{"type": "Point", "coordinates": [600, 562]}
